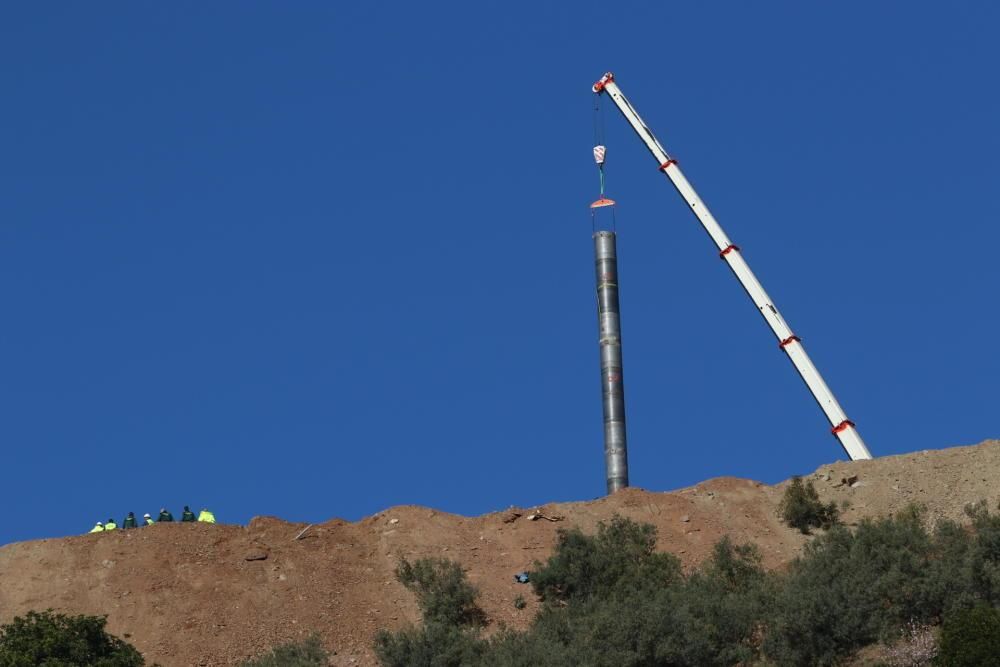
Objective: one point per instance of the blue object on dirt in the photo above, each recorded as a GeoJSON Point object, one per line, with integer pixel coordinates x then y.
{"type": "Point", "coordinates": [521, 577]}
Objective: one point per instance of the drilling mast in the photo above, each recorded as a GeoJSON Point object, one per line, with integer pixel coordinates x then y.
{"type": "Point", "coordinates": [842, 427]}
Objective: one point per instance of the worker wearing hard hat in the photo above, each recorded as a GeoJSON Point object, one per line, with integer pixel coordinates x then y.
{"type": "Point", "coordinates": [164, 515]}
{"type": "Point", "coordinates": [206, 517]}
{"type": "Point", "coordinates": [99, 528]}
{"type": "Point", "coordinates": [147, 520]}
{"type": "Point", "coordinates": [110, 525]}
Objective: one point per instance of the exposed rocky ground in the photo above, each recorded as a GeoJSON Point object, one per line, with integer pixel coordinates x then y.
{"type": "Point", "coordinates": [197, 594]}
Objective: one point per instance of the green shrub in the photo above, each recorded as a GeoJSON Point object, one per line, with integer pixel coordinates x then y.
{"type": "Point", "coordinates": [443, 594]}
{"type": "Point", "coordinates": [720, 610]}
{"type": "Point", "coordinates": [984, 554]}
{"type": "Point", "coordinates": [307, 653]}
{"type": "Point", "coordinates": [632, 607]}
{"type": "Point", "coordinates": [434, 644]}
{"type": "Point", "coordinates": [851, 589]}
{"type": "Point", "coordinates": [529, 649]}
{"type": "Point", "coordinates": [621, 630]}
{"type": "Point", "coordinates": [619, 559]}
{"type": "Point", "coordinates": [57, 640]}
{"type": "Point", "coordinates": [452, 619]}
{"type": "Point", "coordinates": [801, 508]}
{"type": "Point", "coordinates": [971, 638]}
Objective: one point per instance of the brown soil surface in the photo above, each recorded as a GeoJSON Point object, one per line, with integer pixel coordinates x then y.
{"type": "Point", "coordinates": [196, 594]}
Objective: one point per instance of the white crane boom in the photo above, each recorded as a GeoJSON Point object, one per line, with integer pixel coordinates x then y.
{"type": "Point", "coordinates": [843, 427]}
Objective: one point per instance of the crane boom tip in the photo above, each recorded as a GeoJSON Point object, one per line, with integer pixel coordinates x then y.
{"type": "Point", "coordinates": [603, 81]}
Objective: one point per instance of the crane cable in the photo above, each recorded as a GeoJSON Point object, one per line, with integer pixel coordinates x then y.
{"type": "Point", "coordinates": [599, 148]}
{"type": "Point", "coordinates": [600, 152]}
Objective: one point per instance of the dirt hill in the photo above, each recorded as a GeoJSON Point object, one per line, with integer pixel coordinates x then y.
{"type": "Point", "coordinates": [196, 594]}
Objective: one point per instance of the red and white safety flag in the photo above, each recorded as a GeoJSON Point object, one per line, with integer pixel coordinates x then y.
{"type": "Point", "coordinates": [599, 154]}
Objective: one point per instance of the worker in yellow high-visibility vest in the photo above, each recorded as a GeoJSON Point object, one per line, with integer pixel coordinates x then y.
{"type": "Point", "coordinates": [99, 528]}
{"type": "Point", "coordinates": [110, 525]}
{"type": "Point", "coordinates": [206, 517]}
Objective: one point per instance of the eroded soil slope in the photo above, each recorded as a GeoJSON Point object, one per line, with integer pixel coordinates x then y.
{"type": "Point", "coordinates": [195, 594]}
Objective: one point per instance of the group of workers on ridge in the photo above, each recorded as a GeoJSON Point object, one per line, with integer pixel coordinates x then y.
{"type": "Point", "coordinates": [165, 517]}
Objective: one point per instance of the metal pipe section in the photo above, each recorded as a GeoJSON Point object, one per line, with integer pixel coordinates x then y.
{"type": "Point", "coordinates": [612, 387]}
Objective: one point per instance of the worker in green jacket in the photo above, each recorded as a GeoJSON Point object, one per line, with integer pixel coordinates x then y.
{"type": "Point", "coordinates": [206, 517]}
{"type": "Point", "coordinates": [188, 515]}
{"type": "Point", "coordinates": [164, 515]}
{"type": "Point", "coordinates": [130, 521]}
{"type": "Point", "coordinates": [99, 528]}
{"type": "Point", "coordinates": [148, 520]}
{"type": "Point", "coordinates": [110, 525]}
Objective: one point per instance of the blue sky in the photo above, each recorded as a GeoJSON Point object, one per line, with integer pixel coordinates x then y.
{"type": "Point", "coordinates": [314, 260]}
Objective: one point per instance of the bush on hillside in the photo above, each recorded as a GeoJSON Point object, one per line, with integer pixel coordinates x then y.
{"type": "Point", "coordinates": [529, 649]}
{"type": "Point", "coordinates": [620, 558]}
{"type": "Point", "coordinates": [611, 599]}
{"type": "Point", "coordinates": [443, 594]}
{"type": "Point", "coordinates": [449, 636]}
{"type": "Point", "coordinates": [850, 589]}
{"type": "Point", "coordinates": [983, 558]}
{"type": "Point", "coordinates": [971, 638]}
{"type": "Point", "coordinates": [306, 653]}
{"type": "Point", "coordinates": [58, 640]}
{"type": "Point", "coordinates": [721, 609]}
{"type": "Point", "coordinates": [434, 644]}
{"type": "Point", "coordinates": [801, 508]}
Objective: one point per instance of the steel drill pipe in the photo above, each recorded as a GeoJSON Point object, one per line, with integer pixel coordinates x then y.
{"type": "Point", "coordinates": [612, 385]}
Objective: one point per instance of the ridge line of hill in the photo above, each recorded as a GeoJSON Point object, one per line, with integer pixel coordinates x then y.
{"type": "Point", "coordinates": [199, 594]}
